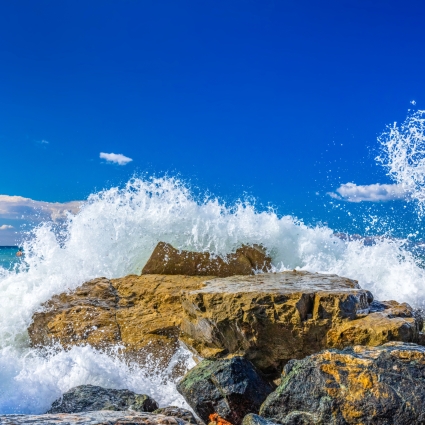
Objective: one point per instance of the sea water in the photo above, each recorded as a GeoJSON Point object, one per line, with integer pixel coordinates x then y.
{"type": "Point", "coordinates": [114, 234]}
{"type": "Point", "coordinates": [8, 258]}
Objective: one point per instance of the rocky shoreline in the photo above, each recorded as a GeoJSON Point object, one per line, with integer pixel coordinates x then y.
{"type": "Point", "coordinates": [288, 348]}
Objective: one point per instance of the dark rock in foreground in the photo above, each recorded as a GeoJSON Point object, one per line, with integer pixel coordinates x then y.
{"type": "Point", "coordinates": [102, 417]}
{"type": "Point", "coordinates": [232, 388]}
{"type": "Point", "coordinates": [165, 259]}
{"type": "Point", "coordinates": [86, 398]}
{"type": "Point", "coordinates": [177, 412]}
{"type": "Point", "coordinates": [362, 385]}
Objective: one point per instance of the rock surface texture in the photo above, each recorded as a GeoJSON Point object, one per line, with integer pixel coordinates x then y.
{"type": "Point", "coordinates": [177, 412]}
{"type": "Point", "coordinates": [232, 388]}
{"type": "Point", "coordinates": [275, 317]}
{"type": "Point", "coordinates": [362, 385]}
{"type": "Point", "coordinates": [167, 260]}
{"type": "Point", "coordinates": [143, 313]}
{"type": "Point", "coordinates": [102, 417]}
{"type": "Point", "coordinates": [253, 419]}
{"type": "Point", "coordinates": [268, 318]}
{"type": "Point", "coordinates": [86, 398]}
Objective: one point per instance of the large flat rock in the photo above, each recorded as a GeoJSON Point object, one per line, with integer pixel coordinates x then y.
{"type": "Point", "coordinates": [268, 318]}
{"type": "Point", "coordinates": [102, 417]}
{"type": "Point", "coordinates": [272, 318]}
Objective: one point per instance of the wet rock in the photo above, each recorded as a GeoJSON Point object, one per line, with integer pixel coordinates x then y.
{"type": "Point", "coordinates": [142, 313]}
{"type": "Point", "coordinates": [177, 412]}
{"type": "Point", "coordinates": [167, 260]}
{"type": "Point", "coordinates": [85, 398]}
{"type": "Point", "coordinates": [231, 388]}
{"type": "Point", "coordinates": [360, 385]}
{"type": "Point", "coordinates": [272, 318]}
{"type": "Point", "coordinates": [253, 419]}
{"type": "Point", "coordinates": [102, 417]}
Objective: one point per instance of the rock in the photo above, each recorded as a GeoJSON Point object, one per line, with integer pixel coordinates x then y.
{"type": "Point", "coordinates": [177, 412]}
{"type": "Point", "coordinates": [269, 318]}
{"type": "Point", "coordinates": [86, 398]}
{"type": "Point", "coordinates": [167, 260]}
{"type": "Point", "coordinates": [102, 417]}
{"type": "Point", "coordinates": [272, 318]}
{"type": "Point", "coordinates": [253, 419]}
{"type": "Point", "coordinates": [231, 388]}
{"type": "Point", "coordinates": [142, 313]}
{"type": "Point", "coordinates": [361, 385]}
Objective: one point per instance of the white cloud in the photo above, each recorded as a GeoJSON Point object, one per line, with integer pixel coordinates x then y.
{"type": "Point", "coordinates": [20, 208]}
{"type": "Point", "coordinates": [6, 227]}
{"type": "Point", "coordinates": [373, 192]}
{"type": "Point", "coordinates": [116, 158]}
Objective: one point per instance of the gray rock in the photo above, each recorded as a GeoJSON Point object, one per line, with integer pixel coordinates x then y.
{"type": "Point", "coordinates": [253, 419]}
{"type": "Point", "coordinates": [177, 412]}
{"type": "Point", "coordinates": [92, 418]}
{"type": "Point", "coordinates": [382, 385]}
{"type": "Point", "coordinates": [87, 398]}
{"type": "Point", "coordinates": [230, 387]}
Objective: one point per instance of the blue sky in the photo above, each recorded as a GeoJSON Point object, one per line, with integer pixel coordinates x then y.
{"type": "Point", "coordinates": [282, 100]}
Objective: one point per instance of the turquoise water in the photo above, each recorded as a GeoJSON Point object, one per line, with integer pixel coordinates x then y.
{"type": "Point", "coordinates": [8, 257]}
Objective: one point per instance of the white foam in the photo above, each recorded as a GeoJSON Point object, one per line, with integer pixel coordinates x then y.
{"type": "Point", "coordinates": [30, 383]}
{"type": "Point", "coordinates": [114, 234]}
{"type": "Point", "coordinates": [403, 156]}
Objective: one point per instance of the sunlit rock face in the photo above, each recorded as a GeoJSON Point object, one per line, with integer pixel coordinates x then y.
{"type": "Point", "coordinates": [273, 318]}
{"type": "Point", "coordinates": [245, 261]}
{"type": "Point", "coordinates": [140, 313]}
{"type": "Point", "coordinates": [268, 318]}
{"type": "Point", "coordinates": [362, 385]}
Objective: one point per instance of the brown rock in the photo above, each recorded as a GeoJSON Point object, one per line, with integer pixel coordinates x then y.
{"type": "Point", "coordinates": [86, 315]}
{"type": "Point", "coordinates": [141, 312]}
{"type": "Point", "coordinates": [272, 318]}
{"type": "Point", "coordinates": [167, 260]}
{"type": "Point", "coordinates": [268, 318]}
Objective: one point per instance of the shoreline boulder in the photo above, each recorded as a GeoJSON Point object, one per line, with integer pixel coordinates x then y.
{"type": "Point", "coordinates": [141, 313]}
{"type": "Point", "coordinates": [87, 398]}
{"type": "Point", "coordinates": [269, 318]}
{"type": "Point", "coordinates": [361, 385]}
{"type": "Point", "coordinates": [275, 317]}
{"type": "Point", "coordinates": [231, 388]}
{"type": "Point", "coordinates": [165, 259]}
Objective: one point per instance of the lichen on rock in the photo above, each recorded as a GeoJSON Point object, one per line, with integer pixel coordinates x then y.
{"type": "Point", "coordinates": [359, 385]}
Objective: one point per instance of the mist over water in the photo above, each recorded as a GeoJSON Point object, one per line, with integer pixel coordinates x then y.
{"type": "Point", "coordinates": [114, 234]}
